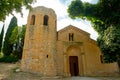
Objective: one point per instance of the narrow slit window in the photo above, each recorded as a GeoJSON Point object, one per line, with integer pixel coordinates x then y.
{"type": "Point", "coordinates": [57, 36]}
{"type": "Point", "coordinates": [33, 20]}
{"type": "Point", "coordinates": [46, 20]}
{"type": "Point", "coordinates": [71, 37]}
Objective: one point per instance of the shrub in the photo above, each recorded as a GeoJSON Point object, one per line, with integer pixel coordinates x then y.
{"type": "Point", "coordinates": [8, 59]}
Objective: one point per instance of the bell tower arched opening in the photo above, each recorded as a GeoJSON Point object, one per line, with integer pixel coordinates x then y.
{"type": "Point", "coordinates": [33, 20]}
{"type": "Point", "coordinates": [45, 20]}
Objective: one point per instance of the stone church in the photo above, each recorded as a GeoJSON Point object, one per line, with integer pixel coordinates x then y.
{"type": "Point", "coordinates": [67, 52]}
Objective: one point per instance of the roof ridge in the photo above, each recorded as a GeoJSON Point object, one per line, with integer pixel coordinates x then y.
{"type": "Point", "coordinates": [75, 28]}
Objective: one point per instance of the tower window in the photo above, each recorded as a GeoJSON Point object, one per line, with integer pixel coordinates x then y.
{"type": "Point", "coordinates": [71, 36]}
{"type": "Point", "coordinates": [47, 56]}
{"type": "Point", "coordinates": [46, 20]}
{"type": "Point", "coordinates": [33, 20]}
{"type": "Point", "coordinates": [57, 36]}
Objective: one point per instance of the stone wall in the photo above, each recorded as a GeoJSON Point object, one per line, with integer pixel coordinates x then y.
{"type": "Point", "coordinates": [40, 43]}
{"type": "Point", "coordinates": [48, 53]}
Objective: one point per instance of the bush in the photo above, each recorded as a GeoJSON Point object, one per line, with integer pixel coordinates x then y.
{"type": "Point", "coordinates": [8, 59]}
{"type": "Point", "coordinates": [1, 55]}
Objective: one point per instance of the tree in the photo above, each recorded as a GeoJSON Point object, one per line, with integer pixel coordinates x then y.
{"type": "Point", "coordinates": [21, 41]}
{"type": "Point", "coordinates": [8, 46]}
{"type": "Point", "coordinates": [8, 6]}
{"type": "Point", "coordinates": [17, 39]}
{"type": "Point", "coordinates": [105, 18]}
{"type": "Point", "coordinates": [1, 37]}
{"type": "Point", "coordinates": [14, 35]}
{"type": "Point", "coordinates": [22, 37]}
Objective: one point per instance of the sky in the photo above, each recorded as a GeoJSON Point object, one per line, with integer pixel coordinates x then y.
{"type": "Point", "coordinates": [63, 20]}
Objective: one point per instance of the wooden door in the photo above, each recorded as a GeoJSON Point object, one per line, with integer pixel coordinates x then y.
{"type": "Point", "coordinates": [74, 69]}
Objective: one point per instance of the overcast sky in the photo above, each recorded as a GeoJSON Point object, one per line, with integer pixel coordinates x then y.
{"type": "Point", "coordinates": [63, 20]}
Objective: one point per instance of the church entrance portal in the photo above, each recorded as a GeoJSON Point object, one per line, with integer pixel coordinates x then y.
{"type": "Point", "coordinates": [74, 69]}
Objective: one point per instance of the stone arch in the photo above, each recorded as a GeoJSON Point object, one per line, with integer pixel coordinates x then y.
{"type": "Point", "coordinates": [33, 20]}
{"type": "Point", "coordinates": [74, 59]}
{"type": "Point", "coordinates": [45, 20]}
{"type": "Point", "coordinates": [73, 48]}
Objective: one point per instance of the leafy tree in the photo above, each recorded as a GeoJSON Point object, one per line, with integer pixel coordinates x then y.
{"type": "Point", "coordinates": [109, 43]}
{"type": "Point", "coordinates": [8, 46]}
{"type": "Point", "coordinates": [17, 39]}
{"type": "Point", "coordinates": [22, 37]}
{"type": "Point", "coordinates": [21, 40]}
{"type": "Point", "coordinates": [14, 35]}
{"type": "Point", "coordinates": [8, 6]}
{"type": "Point", "coordinates": [14, 39]}
{"type": "Point", "coordinates": [105, 18]}
{"type": "Point", "coordinates": [1, 37]}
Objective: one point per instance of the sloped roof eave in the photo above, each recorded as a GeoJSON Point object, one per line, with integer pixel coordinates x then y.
{"type": "Point", "coordinates": [73, 27]}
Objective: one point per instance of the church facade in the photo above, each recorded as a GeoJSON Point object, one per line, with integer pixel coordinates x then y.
{"type": "Point", "coordinates": [67, 52]}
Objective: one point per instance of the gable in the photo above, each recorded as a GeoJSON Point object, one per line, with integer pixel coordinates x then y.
{"type": "Point", "coordinates": [71, 27]}
{"type": "Point", "coordinates": [78, 34]}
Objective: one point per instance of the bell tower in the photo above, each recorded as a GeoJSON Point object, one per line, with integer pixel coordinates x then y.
{"type": "Point", "coordinates": [40, 42]}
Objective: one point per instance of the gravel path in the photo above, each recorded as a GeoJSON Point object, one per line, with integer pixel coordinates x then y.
{"type": "Point", "coordinates": [7, 73]}
{"type": "Point", "coordinates": [93, 78]}
{"type": "Point", "coordinates": [81, 78]}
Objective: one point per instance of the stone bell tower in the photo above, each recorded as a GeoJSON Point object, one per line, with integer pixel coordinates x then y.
{"type": "Point", "coordinates": [40, 42]}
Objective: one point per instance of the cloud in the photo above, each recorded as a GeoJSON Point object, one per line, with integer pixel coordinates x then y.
{"type": "Point", "coordinates": [91, 1]}
{"type": "Point", "coordinates": [62, 16]}
{"type": "Point", "coordinates": [67, 2]}
{"type": "Point", "coordinates": [59, 8]}
{"type": "Point", "coordinates": [82, 24]}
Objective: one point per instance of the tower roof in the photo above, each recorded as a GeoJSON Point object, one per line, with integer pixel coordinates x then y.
{"type": "Point", "coordinates": [44, 10]}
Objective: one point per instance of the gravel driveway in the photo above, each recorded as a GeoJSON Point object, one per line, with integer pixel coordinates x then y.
{"type": "Point", "coordinates": [7, 73]}
{"type": "Point", "coordinates": [82, 78]}
{"type": "Point", "coordinates": [93, 78]}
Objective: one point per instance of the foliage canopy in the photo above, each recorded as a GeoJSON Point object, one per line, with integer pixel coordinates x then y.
{"type": "Point", "coordinates": [1, 37]}
{"type": "Point", "coordinates": [8, 6]}
{"type": "Point", "coordinates": [7, 47]}
{"type": "Point", "coordinates": [105, 18]}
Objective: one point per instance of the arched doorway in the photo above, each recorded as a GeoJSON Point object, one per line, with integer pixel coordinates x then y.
{"type": "Point", "coordinates": [74, 61]}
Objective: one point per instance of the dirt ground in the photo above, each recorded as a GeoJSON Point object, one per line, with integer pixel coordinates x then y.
{"type": "Point", "coordinates": [12, 72]}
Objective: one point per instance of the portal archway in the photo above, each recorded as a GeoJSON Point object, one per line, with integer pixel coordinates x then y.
{"type": "Point", "coordinates": [74, 61]}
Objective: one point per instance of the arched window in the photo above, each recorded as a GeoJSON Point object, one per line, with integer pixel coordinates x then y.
{"type": "Point", "coordinates": [45, 20]}
{"type": "Point", "coordinates": [33, 20]}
